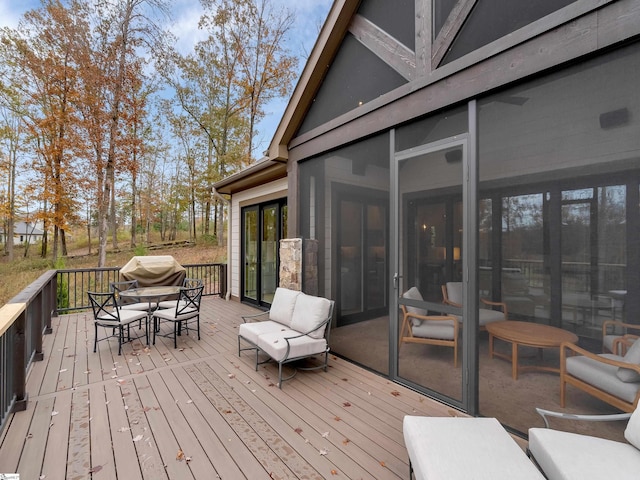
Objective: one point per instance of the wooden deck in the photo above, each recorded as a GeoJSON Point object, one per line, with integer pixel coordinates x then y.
{"type": "Point", "coordinates": [201, 412]}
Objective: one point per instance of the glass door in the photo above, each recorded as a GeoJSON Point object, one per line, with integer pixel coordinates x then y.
{"type": "Point", "coordinates": [250, 253]}
{"type": "Point", "coordinates": [263, 226]}
{"type": "Point", "coordinates": [429, 254]}
{"type": "Point", "coordinates": [269, 253]}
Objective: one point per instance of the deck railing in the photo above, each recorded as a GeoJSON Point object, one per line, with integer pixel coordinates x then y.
{"type": "Point", "coordinates": [27, 317]}
{"type": "Point", "coordinates": [73, 284]}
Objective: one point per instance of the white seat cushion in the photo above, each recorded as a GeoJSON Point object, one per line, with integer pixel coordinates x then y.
{"type": "Point", "coordinates": [632, 356]}
{"type": "Point", "coordinates": [602, 376]}
{"type": "Point", "coordinates": [274, 345]}
{"type": "Point", "coordinates": [143, 306]}
{"type": "Point", "coordinates": [170, 303]}
{"type": "Point", "coordinates": [251, 331]}
{"type": "Point", "coordinates": [126, 316]}
{"type": "Point", "coordinates": [443, 330]}
{"type": "Point", "coordinates": [487, 316]}
{"type": "Point", "coordinates": [414, 294]}
{"type": "Point", "coordinates": [284, 300]}
{"type": "Point", "coordinates": [170, 314]}
{"type": "Point", "coordinates": [308, 313]}
{"type": "Point", "coordinates": [454, 448]}
{"type": "Point", "coordinates": [570, 456]}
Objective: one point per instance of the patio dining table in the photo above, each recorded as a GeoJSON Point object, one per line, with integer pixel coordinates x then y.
{"type": "Point", "coordinates": [153, 295]}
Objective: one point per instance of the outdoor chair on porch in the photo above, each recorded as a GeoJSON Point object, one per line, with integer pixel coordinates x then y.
{"type": "Point", "coordinates": [187, 309]}
{"type": "Point", "coordinates": [127, 303]}
{"type": "Point", "coordinates": [107, 314]}
{"type": "Point", "coordinates": [186, 283]}
{"type": "Point", "coordinates": [617, 336]}
{"type": "Point", "coordinates": [612, 378]}
{"type": "Point", "coordinates": [419, 327]}
{"type": "Point", "coordinates": [452, 295]}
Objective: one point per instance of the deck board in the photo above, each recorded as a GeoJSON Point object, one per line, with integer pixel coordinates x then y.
{"type": "Point", "coordinates": [129, 416]}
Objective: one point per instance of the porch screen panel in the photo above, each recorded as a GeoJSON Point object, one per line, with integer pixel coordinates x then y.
{"type": "Point", "coordinates": [344, 206]}
{"type": "Point", "coordinates": [492, 19]}
{"type": "Point", "coordinates": [559, 158]}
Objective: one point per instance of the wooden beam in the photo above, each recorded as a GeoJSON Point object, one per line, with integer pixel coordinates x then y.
{"type": "Point", "coordinates": [388, 49]}
{"type": "Point", "coordinates": [450, 30]}
{"type": "Point", "coordinates": [423, 36]}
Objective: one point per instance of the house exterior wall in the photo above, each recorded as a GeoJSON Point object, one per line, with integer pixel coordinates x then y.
{"type": "Point", "coordinates": [269, 191]}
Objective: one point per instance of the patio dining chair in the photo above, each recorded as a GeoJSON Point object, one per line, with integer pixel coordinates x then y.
{"type": "Point", "coordinates": [126, 303]}
{"type": "Point", "coordinates": [187, 309]}
{"type": "Point", "coordinates": [107, 314]}
{"type": "Point", "coordinates": [187, 283]}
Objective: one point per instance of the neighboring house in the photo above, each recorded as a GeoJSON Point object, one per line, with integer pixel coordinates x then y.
{"type": "Point", "coordinates": [490, 142]}
{"type": "Point", "coordinates": [24, 232]}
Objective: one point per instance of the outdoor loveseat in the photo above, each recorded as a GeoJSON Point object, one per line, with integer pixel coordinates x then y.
{"type": "Point", "coordinates": [297, 326]}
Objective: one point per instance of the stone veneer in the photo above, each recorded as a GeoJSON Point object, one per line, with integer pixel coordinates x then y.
{"type": "Point", "coordinates": [299, 265]}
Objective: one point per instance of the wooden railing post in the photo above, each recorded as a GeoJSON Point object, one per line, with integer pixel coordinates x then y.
{"type": "Point", "coordinates": [19, 365]}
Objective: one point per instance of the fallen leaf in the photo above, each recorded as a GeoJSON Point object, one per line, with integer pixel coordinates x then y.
{"type": "Point", "coordinates": [382, 464]}
{"type": "Point", "coordinates": [137, 438]}
{"type": "Point", "coordinates": [345, 379]}
{"type": "Point", "coordinates": [180, 455]}
{"type": "Point", "coordinates": [334, 472]}
{"type": "Point", "coordinates": [346, 404]}
{"type": "Point", "coordinates": [345, 441]}
{"type": "Point", "coordinates": [298, 430]}
{"type": "Point", "coordinates": [63, 370]}
{"type": "Point", "coordinates": [124, 429]}
{"type": "Point", "coordinates": [325, 434]}
{"type": "Point", "coordinates": [323, 452]}
{"type": "Point", "coordinates": [232, 375]}
{"type": "Point", "coordinates": [54, 413]}
{"type": "Point", "coordinates": [395, 393]}
{"type": "Point", "coordinates": [189, 401]}
{"type": "Point", "coordinates": [337, 419]}
{"type": "Point", "coordinates": [96, 469]}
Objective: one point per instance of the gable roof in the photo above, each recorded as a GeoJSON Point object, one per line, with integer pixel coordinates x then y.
{"type": "Point", "coordinates": [320, 59]}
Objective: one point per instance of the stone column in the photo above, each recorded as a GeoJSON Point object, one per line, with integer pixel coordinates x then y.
{"type": "Point", "coordinates": [299, 265]}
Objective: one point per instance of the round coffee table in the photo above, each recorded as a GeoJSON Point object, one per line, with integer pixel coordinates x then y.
{"type": "Point", "coordinates": [530, 335]}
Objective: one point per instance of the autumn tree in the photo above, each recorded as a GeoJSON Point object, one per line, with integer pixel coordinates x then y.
{"type": "Point", "coordinates": [223, 85]}
{"type": "Point", "coordinates": [11, 141]}
{"type": "Point", "coordinates": [44, 72]}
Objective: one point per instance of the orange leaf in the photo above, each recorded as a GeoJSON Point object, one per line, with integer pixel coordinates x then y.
{"type": "Point", "coordinates": [180, 455]}
{"type": "Point", "coordinates": [334, 472]}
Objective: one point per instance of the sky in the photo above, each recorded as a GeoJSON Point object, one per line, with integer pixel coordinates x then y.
{"type": "Point", "coordinates": [310, 15]}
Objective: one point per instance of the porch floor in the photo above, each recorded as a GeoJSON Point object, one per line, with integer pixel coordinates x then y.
{"type": "Point", "coordinates": [201, 412]}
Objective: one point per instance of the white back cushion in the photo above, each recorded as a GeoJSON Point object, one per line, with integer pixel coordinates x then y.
{"type": "Point", "coordinates": [308, 313]}
{"type": "Point", "coordinates": [632, 432]}
{"type": "Point", "coordinates": [414, 294]}
{"type": "Point", "coordinates": [282, 306]}
{"type": "Point", "coordinates": [632, 356]}
{"type": "Point", "coordinates": [454, 292]}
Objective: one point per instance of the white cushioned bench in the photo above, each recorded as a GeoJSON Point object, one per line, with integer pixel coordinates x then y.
{"type": "Point", "coordinates": [459, 448]}
{"type": "Point", "coordinates": [297, 326]}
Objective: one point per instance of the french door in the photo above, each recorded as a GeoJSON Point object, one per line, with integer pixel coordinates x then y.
{"type": "Point", "coordinates": [263, 226]}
